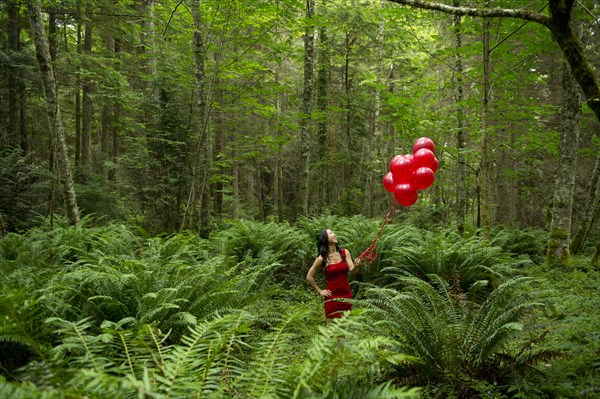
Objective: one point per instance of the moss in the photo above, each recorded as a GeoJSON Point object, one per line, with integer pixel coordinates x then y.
{"type": "Point", "coordinates": [558, 254]}
{"type": "Point", "coordinates": [558, 233]}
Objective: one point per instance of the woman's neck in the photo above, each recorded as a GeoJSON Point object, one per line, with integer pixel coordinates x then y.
{"type": "Point", "coordinates": [332, 249]}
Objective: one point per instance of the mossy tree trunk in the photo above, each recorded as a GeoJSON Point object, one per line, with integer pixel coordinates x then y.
{"type": "Point", "coordinates": [558, 253]}
{"type": "Point", "coordinates": [54, 118]}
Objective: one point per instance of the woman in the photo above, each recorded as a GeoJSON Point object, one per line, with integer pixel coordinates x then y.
{"type": "Point", "coordinates": [337, 263]}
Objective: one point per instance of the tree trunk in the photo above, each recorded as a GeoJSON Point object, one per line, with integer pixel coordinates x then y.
{"type": "Point", "coordinates": [558, 253]}
{"type": "Point", "coordinates": [106, 119]}
{"type": "Point", "coordinates": [461, 190]}
{"type": "Point", "coordinates": [321, 193]}
{"type": "Point", "coordinates": [198, 200]}
{"type": "Point", "coordinates": [116, 125]}
{"type": "Point", "coordinates": [55, 122]}
{"type": "Point", "coordinates": [590, 212]}
{"type": "Point", "coordinates": [485, 172]}
{"type": "Point", "coordinates": [306, 111]}
{"type": "Point", "coordinates": [78, 85]}
{"type": "Point", "coordinates": [86, 108]}
{"type": "Point", "coordinates": [219, 157]}
{"type": "Point", "coordinates": [374, 141]}
{"type": "Point", "coordinates": [16, 130]}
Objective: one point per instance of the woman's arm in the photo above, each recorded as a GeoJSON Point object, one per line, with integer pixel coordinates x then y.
{"type": "Point", "coordinates": [351, 266]}
{"type": "Point", "coordinates": [310, 276]}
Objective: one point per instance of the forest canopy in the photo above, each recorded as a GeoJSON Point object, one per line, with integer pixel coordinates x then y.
{"type": "Point", "coordinates": [185, 113]}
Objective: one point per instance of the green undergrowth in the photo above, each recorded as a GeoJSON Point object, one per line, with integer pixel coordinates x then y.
{"type": "Point", "coordinates": [107, 310]}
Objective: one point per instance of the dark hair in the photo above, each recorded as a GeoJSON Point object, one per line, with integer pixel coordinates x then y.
{"type": "Point", "coordinates": [323, 247]}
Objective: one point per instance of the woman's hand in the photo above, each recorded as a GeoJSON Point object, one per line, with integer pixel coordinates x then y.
{"type": "Point", "coordinates": [325, 293]}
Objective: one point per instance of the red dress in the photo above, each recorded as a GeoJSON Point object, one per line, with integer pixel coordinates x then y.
{"type": "Point", "coordinates": [336, 276]}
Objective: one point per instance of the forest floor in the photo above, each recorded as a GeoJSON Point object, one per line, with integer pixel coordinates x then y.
{"type": "Point", "coordinates": [571, 332]}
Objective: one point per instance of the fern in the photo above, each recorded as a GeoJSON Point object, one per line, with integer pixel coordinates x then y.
{"type": "Point", "coordinates": [451, 338]}
{"type": "Point", "coordinates": [460, 262]}
{"type": "Point", "coordinates": [342, 355]}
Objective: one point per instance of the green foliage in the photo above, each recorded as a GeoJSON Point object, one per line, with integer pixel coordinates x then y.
{"type": "Point", "coordinates": [529, 242]}
{"type": "Point", "coordinates": [22, 186]}
{"type": "Point", "coordinates": [452, 337]}
{"type": "Point", "coordinates": [461, 262]}
{"type": "Point", "coordinates": [108, 310]}
{"type": "Point", "coordinates": [23, 336]}
{"type": "Point", "coordinates": [248, 239]}
{"type": "Point", "coordinates": [250, 243]}
{"type": "Point", "coordinates": [572, 329]}
{"type": "Point", "coordinates": [225, 357]}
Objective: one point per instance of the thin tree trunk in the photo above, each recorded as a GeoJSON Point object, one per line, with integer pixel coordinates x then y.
{"type": "Point", "coordinates": [52, 46]}
{"type": "Point", "coordinates": [116, 125]}
{"type": "Point", "coordinates": [78, 85]}
{"type": "Point", "coordinates": [373, 149]}
{"type": "Point", "coordinates": [56, 127]}
{"type": "Point", "coordinates": [219, 157]}
{"type": "Point", "coordinates": [106, 119]}
{"type": "Point", "coordinates": [558, 253]}
{"type": "Point", "coordinates": [590, 212]}
{"type": "Point", "coordinates": [485, 172]}
{"type": "Point", "coordinates": [236, 177]}
{"type": "Point", "coordinates": [306, 110]}
{"type": "Point", "coordinates": [322, 102]}
{"type": "Point", "coordinates": [16, 132]}
{"type": "Point", "coordinates": [199, 190]}
{"type": "Point", "coordinates": [86, 110]}
{"type": "Point", "coordinates": [461, 190]}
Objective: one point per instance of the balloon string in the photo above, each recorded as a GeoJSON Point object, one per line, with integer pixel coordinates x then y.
{"type": "Point", "coordinates": [371, 252]}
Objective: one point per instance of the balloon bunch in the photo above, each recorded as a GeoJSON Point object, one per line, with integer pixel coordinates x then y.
{"type": "Point", "coordinates": [412, 172]}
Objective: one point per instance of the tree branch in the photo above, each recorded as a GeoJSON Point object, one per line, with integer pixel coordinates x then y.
{"type": "Point", "coordinates": [558, 23]}
{"type": "Point", "coordinates": [478, 12]}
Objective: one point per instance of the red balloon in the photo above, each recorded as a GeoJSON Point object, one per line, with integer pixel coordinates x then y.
{"type": "Point", "coordinates": [388, 182]}
{"type": "Point", "coordinates": [423, 158]}
{"type": "Point", "coordinates": [423, 142]}
{"type": "Point", "coordinates": [422, 178]}
{"type": "Point", "coordinates": [405, 194]}
{"type": "Point", "coordinates": [401, 168]}
{"type": "Point", "coordinates": [436, 165]}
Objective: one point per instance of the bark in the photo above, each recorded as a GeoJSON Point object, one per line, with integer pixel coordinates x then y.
{"type": "Point", "coordinates": [485, 165]}
{"type": "Point", "coordinates": [106, 119]}
{"type": "Point", "coordinates": [559, 24]}
{"type": "Point", "coordinates": [16, 130]}
{"type": "Point", "coordinates": [198, 199]}
{"type": "Point", "coordinates": [306, 110]}
{"type": "Point", "coordinates": [78, 85]}
{"type": "Point", "coordinates": [219, 156]}
{"type": "Point", "coordinates": [590, 212]}
{"type": "Point", "coordinates": [461, 192]}
{"type": "Point", "coordinates": [52, 46]}
{"type": "Point", "coordinates": [374, 141]}
{"type": "Point", "coordinates": [86, 106]}
{"type": "Point", "coordinates": [116, 124]}
{"type": "Point", "coordinates": [322, 100]}
{"type": "Point", "coordinates": [558, 253]}
{"type": "Point", "coordinates": [54, 117]}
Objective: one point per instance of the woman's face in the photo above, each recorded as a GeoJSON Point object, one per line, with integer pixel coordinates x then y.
{"type": "Point", "coordinates": [331, 237]}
